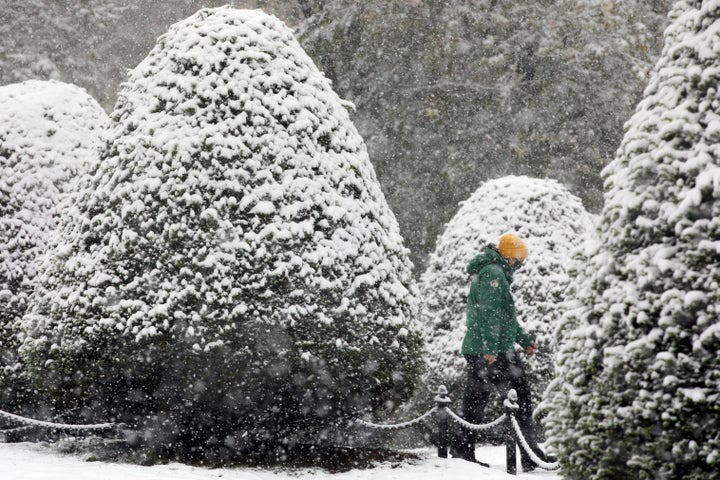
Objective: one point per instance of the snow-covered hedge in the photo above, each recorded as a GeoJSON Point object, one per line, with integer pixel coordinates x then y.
{"type": "Point", "coordinates": [49, 137]}
{"type": "Point", "coordinates": [238, 276]}
{"type": "Point", "coordinates": [639, 371]}
{"type": "Point", "coordinates": [551, 221]}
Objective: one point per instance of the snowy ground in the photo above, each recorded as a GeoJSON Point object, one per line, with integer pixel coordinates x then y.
{"type": "Point", "coordinates": [29, 461]}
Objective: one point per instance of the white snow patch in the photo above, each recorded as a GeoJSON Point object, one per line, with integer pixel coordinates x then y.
{"type": "Point", "coordinates": [27, 461]}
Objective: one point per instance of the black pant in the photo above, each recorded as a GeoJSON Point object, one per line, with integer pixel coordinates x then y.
{"type": "Point", "coordinates": [482, 378]}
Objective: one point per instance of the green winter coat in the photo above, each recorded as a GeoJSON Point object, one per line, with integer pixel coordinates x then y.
{"type": "Point", "coordinates": [492, 327]}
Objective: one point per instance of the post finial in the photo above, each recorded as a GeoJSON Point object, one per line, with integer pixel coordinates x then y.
{"type": "Point", "coordinates": [442, 395]}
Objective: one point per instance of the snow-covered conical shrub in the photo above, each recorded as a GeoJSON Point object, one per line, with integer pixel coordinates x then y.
{"type": "Point", "coordinates": [238, 275]}
{"type": "Point", "coordinates": [639, 395]}
{"type": "Point", "coordinates": [49, 137]}
{"type": "Point", "coordinates": [552, 222]}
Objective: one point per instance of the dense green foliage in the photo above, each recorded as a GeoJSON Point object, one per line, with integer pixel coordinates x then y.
{"type": "Point", "coordinates": [49, 137]}
{"type": "Point", "coordinates": [234, 277]}
{"type": "Point", "coordinates": [639, 375]}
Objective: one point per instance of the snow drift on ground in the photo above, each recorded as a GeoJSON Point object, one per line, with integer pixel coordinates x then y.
{"type": "Point", "coordinates": [26, 461]}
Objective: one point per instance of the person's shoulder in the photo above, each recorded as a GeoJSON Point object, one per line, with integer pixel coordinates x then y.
{"type": "Point", "coordinates": [477, 263]}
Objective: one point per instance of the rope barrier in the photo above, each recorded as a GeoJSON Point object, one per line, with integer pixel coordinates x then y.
{"type": "Point", "coordinates": [17, 429]}
{"type": "Point", "coordinates": [442, 408]}
{"type": "Point", "coordinates": [442, 401]}
{"type": "Point", "coordinates": [30, 427]}
{"type": "Point", "coordinates": [397, 426]}
{"type": "Point", "coordinates": [540, 463]}
{"type": "Point", "coordinates": [510, 405]}
{"type": "Point", "coordinates": [470, 426]}
{"type": "Point", "coordinates": [476, 426]}
{"type": "Point", "coordinates": [56, 426]}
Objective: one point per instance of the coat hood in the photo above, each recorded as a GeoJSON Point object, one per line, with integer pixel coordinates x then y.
{"type": "Point", "coordinates": [489, 257]}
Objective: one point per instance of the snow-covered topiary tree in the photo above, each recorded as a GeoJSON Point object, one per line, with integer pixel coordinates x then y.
{"type": "Point", "coordinates": [238, 277]}
{"type": "Point", "coordinates": [551, 221]}
{"type": "Point", "coordinates": [49, 137]}
{"type": "Point", "coordinates": [640, 390]}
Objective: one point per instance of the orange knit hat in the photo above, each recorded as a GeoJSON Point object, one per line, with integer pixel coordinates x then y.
{"type": "Point", "coordinates": [511, 246]}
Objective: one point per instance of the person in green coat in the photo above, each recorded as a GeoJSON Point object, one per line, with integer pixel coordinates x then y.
{"type": "Point", "coordinates": [489, 344]}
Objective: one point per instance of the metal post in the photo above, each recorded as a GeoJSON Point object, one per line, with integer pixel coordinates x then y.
{"type": "Point", "coordinates": [510, 449]}
{"type": "Point", "coordinates": [442, 400]}
{"type": "Point", "coordinates": [510, 406]}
